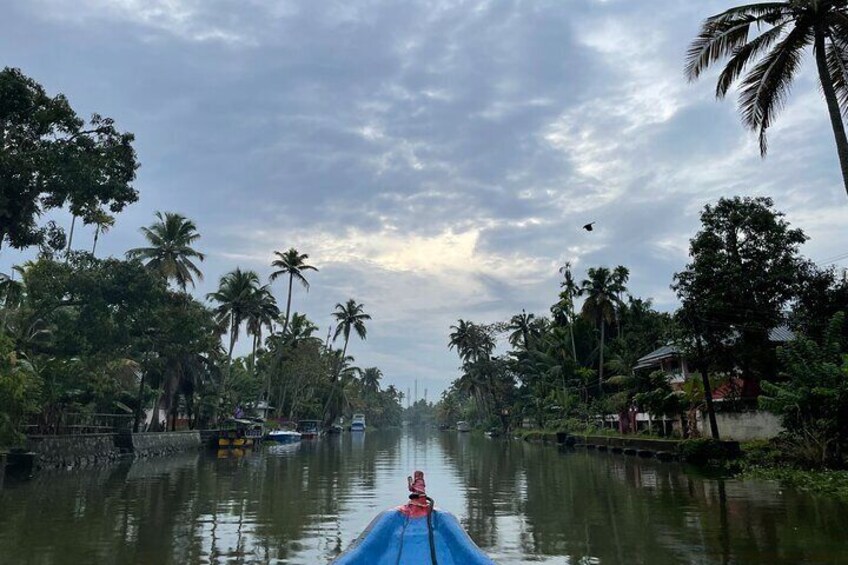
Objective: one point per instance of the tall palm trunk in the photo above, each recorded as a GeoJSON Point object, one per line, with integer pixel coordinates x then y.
{"type": "Point", "coordinates": [229, 356]}
{"type": "Point", "coordinates": [70, 237]}
{"type": "Point", "coordinates": [571, 331]}
{"type": "Point", "coordinates": [601, 367]}
{"type": "Point", "coordinates": [334, 382]}
{"type": "Point", "coordinates": [288, 304]}
{"type": "Point", "coordinates": [832, 104]}
{"type": "Point", "coordinates": [96, 236]}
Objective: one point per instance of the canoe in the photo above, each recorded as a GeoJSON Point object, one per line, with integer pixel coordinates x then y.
{"type": "Point", "coordinates": [414, 534]}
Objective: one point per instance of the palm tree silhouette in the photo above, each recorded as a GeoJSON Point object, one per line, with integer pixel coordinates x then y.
{"type": "Point", "coordinates": [293, 264]}
{"type": "Point", "coordinates": [601, 291]}
{"type": "Point", "coordinates": [769, 62]}
{"type": "Point", "coordinates": [171, 253]}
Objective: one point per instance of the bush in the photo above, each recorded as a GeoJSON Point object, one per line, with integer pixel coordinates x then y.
{"type": "Point", "coordinates": [705, 451]}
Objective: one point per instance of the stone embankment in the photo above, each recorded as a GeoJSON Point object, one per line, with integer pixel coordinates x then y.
{"type": "Point", "coordinates": [70, 451]}
{"type": "Point", "coordinates": [696, 451]}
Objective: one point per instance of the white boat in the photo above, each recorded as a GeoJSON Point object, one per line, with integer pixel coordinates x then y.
{"type": "Point", "coordinates": [284, 436]}
{"type": "Point", "coordinates": [463, 426]}
{"type": "Point", "coordinates": [357, 423]}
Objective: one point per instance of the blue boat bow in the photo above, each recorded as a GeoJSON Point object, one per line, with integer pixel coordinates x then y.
{"type": "Point", "coordinates": [411, 535]}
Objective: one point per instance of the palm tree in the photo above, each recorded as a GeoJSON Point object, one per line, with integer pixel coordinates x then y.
{"type": "Point", "coordinates": [601, 291]}
{"type": "Point", "coordinates": [293, 264]}
{"type": "Point", "coordinates": [170, 253]}
{"type": "Point", "coordinates": [570, 291]}
{"type": "Point", "coordinates": [102, 223]}
{"type": "Point", "coordinates": [236, 298]}
{"type": "Point", "coordinates": [262, 311]}
{"type": "Point", "coordinates": [521, 326]}
{"type": "Point", "coordinates": [768, 62]}
{"type": "Point", "coordinates": [349, 316]}
{"type": "Point", "coordinates": [620, 276]}
{"type": "Point", "coordinates": [472, 342]}
{"type": "Point", "coordinates": [370, 378]}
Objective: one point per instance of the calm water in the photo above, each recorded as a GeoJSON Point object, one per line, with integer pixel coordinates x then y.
{"type": "Point", "coordinates": [304, 504]}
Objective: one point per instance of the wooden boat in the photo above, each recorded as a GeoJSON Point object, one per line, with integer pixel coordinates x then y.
{"type": "Point", "coordinates": [414, 534]}
{"type": "Point", "coordinates": [284, 436]}
{"type": "Point", "coordinates": [463, 426]}
{"type": "Point", "coordinates": [244, 433]}
{"type": "Point", "coordinates": [357, 423]}
{"type": "Point", "coordinates": [309, 429]}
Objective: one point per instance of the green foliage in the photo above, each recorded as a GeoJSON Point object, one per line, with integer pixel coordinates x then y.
{"type": "Point", "coordinates": [703, 451]}
{"type": "Point", "coordinates": [51, 158]}
{"type": "Point", "coordinates": [813, 399]}
{"type": "Point", "coordinates": [20, 392]}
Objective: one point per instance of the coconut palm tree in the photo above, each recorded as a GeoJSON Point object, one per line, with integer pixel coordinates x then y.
{"type": "Point", "coordinates": [349, 316]}
{"type": "Point", "coordinates": [171, 253]}
{"type": "Point", "coordinates": [293, 264]}
{"type": "Point", "coordinates": [261, 313]}
{"type": "Point", "coordinates": [102, 223]}
{"type": "Point", "coordinates": [236, 296]}
{"type": "Point", "coordinates": [370, 379]}
{"type": "Point", "coordinates": [764, 44]}
{"type": "Point", "coordinates": [472, 342]}
{"type": "Point", "coordinates": [570, 291]}
{"type": "Point", "coordinates": [521, 326]}
{"type": "Point", "coordinates": [620, 276]}
{"type": "Point", "coordinates": [601, 291]}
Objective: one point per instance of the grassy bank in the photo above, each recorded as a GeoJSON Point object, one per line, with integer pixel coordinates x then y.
{"type": "Point", "coordinates": [766, 461]}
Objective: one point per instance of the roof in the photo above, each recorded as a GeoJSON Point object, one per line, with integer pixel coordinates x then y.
{"type": "Point", "coordinates": [656, 356]}
{"type": "Point", "coordinates": [780, 334]}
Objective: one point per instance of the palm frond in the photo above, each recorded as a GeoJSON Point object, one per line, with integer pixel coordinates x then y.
{"type": "Point", "coordinates": [766, 87]}
{"type": "Point", "coordinates": [741, 56]}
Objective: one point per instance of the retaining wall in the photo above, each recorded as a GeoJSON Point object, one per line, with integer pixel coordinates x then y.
{"type": "Point", "coordinates": [744, 426]}
{"type": "Point", "coordinates": [151, 444]}
{"type": "Point", "coordinates": [59, 452]}
{"type": "Point", "coordinates": [53, 452]}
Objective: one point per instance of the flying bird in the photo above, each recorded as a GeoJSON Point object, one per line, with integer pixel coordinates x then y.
{"type": "Point", "coordinates": [588, 227]}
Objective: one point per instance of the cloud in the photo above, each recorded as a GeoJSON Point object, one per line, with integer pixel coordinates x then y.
{"type": "Point", "coordinates": [436, 158]}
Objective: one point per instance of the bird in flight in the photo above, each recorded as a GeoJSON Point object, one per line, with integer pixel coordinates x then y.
{"type": "Point", "coordinates": [588, 227]}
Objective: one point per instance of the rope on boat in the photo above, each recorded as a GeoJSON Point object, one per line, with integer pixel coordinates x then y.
{"type": "Point", "coordinates": [430, 505]}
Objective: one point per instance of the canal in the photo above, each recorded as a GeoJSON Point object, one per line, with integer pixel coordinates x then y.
{"type": "Point", "coordinates": [305, 503]}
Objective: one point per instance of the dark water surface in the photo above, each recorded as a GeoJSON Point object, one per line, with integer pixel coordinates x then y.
{"type": "Point", "coordinates": [305, 503]}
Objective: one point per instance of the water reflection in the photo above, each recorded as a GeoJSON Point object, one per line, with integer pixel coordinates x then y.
{"type": "Point", "coordinates": [304, 503]}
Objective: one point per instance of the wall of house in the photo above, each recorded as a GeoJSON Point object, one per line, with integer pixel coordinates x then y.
{"type": "Point", "coordinates": [743, 426]}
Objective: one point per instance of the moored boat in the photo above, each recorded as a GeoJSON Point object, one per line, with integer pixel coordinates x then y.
{"type": "Point", "coordinates": [243, 433]}
{"type": "Point", "coordinates": [284, 436]}
{"type": "Point", "coordinates": [309, 429]}
{"type": "Point", "coordinates": [357, 423]}
{"type": "Point", "coordinates": [463, 426]}
{"type": "Point", "coordinates": [415, 533]}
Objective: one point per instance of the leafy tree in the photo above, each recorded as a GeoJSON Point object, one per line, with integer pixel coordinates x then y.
{"type": "Point", "coordinates": [821, 295]}
{"type": "Point", "coordinates": [768, 62]}
{"type": "Point", "coordinates": [51, 158]}
{"type": "Point", "coordinates": [813, 399]}
{"type": "Point", "coordinates": [745, 270]}
{"type": "Point", "coordinates": [293, 264]}
{"type": "Point", "coordinates": [170, 253]}
{"type": "Point", "coordinates": [20, 392]}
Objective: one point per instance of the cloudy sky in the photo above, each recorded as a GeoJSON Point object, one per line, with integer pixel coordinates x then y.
{"type": "Point", "coordinates": [436, 158]}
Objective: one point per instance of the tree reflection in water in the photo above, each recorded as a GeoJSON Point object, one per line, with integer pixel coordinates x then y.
{"type": "Point", "coordinates": [306, 503]}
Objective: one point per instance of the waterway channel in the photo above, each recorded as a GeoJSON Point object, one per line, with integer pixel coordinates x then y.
{"type": "Point", "coordinates": [305, 503]}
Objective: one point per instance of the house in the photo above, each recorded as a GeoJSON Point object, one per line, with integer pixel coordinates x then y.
{"type": "Point", "coordinates": [739, 425]}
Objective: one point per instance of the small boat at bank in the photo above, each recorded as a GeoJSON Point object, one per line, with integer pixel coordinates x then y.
{"type": "Point", "coordinates": [414, 534]}
{"type": "Point", "coordinates": [284, 436]}
{"type": "Point", "coordinates": [463, 426]}
{"type": "Point", "coordinates": [357, 423]}
{"type": "Point", "coordinates": [309, 429]}
{"type": "Point", "coordinates": [241, 433]}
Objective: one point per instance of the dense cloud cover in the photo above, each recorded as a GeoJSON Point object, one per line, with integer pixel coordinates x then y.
{"type": "Point", "coordinates": [436, 158]}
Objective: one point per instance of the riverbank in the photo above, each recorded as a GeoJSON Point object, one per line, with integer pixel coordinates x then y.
{"type": "Point", "coordinates": [761, 460]}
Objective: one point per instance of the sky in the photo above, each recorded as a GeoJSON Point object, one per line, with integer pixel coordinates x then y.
{"type": "Point", "coordinates": [435, 158]}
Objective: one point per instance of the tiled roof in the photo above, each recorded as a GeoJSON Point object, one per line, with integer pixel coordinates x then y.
{"type": "Point", "coordinates": [781, 334]}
